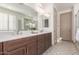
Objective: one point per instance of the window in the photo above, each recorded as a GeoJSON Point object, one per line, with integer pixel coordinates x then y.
{"type": "Point", "coordinates": [46, 23]}
{"type": "Point", "coordinates": [3, 21]}
{"type": "Point", "coordinates": [12, 22]}
{"type": "Point", "coordinates": [7, 22]}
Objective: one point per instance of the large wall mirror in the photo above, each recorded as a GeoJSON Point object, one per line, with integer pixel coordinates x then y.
{"type": "Point", "coordinates": [25, 24]}
{"type": "Point", "coordinates": [30, 24]}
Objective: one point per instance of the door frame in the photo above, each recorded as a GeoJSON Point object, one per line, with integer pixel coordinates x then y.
{"type": "Point", "coordinates": [55, 27]}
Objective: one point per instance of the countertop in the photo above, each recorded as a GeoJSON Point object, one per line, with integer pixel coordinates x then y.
{"type": "Point", "coordinates": [14, 37]}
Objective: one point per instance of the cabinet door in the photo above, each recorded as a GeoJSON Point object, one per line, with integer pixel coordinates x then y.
{"type": "Point", "coordinates": [18, 51]}
{"type": "Point", "coordinates": [47, 40]}
{"type": "Point", "coordinates": [13, 44]}
{"type": "Point", "coordinates": [41, 44]}
{"type": "Point", "coordinates": [32, 48]}
{"type": "Point", "coordinates": [0, 48]}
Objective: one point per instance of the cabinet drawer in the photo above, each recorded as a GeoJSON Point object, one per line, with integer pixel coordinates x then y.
{"type": "Point", "coordinates": [18, 51]}
{"type": "Point", "coordinates": [13, 44]}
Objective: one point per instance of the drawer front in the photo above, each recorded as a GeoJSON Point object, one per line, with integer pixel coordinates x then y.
{"type": "Point", "coordinates": [13, 44]}
{"type": "Point", "coordinates": [18, 51]}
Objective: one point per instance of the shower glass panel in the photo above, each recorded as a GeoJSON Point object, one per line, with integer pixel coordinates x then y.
{"type": "Point", "coordinates": [77, 26]}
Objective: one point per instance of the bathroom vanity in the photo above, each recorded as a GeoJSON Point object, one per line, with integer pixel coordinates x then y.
{"type": "Point", "coordinates": [34, 44]}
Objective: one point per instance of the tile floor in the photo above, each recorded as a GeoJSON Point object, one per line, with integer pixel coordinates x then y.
{"type": "Point", "coordinates": [62, 48]}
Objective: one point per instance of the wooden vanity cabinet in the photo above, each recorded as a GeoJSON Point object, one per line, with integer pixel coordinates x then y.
{"type": "Point", "coordinates": [41, 44]}
{"type": "Point", "coordinates": [0, 48]}
{"type": "Point", "coordinates": [47, 40]}
{"type": "Point", "coordinates": [44, 42]}
{"type": "Point", "coordinates": [32, 46]}
{"type": "Point", "coordinates": [14, 47]}
{"type": "Point", "coordinates": [18, 51]}
{"type": "Point", "coordinates": [23, 46]}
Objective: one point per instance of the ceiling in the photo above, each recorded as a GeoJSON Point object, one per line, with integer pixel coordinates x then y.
{"type": "Point", "coordinates": [45, 6]}
{"type": "Point", "coordinates": [40, 7]}
{"type": "Point", "coordinates": [63, 6]}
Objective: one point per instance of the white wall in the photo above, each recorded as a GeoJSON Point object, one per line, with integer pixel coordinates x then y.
{"type": "Point", "coordinates": [75, 10]}
{"type": "Point", "coordinates": [58, 25]}
{"type": "Point", "coordinates": [40, 22]}
{"type": "Point", "coordinates": [73, 25]}
{"type": "Point", "coordinates": [51, 22]}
